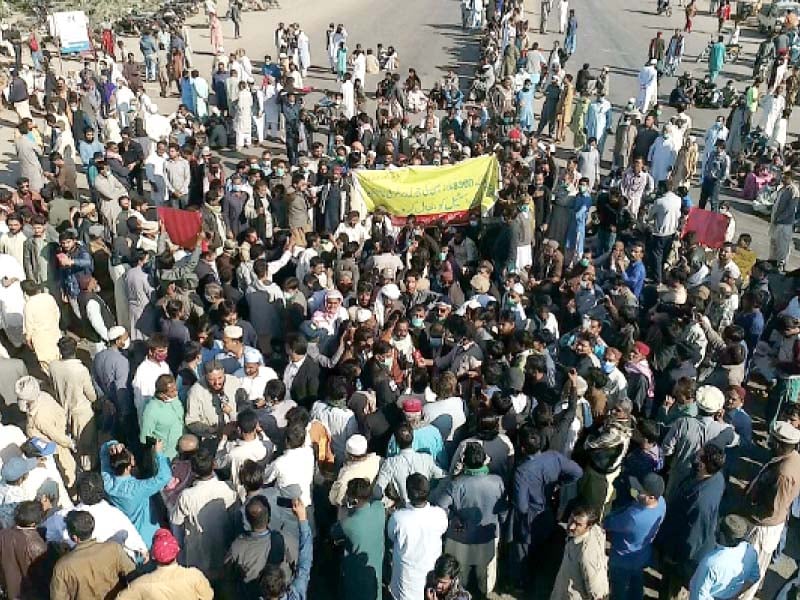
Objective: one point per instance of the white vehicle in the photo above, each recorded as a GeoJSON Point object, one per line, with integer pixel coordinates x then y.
{"type": "Point", "coordinates": [771, 16]}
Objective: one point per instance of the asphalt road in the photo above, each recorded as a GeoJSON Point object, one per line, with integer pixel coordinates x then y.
{"type": "Point", "coordinates": [428, 37]}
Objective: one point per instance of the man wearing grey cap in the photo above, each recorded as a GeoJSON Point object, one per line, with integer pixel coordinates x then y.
{"type": "Point", "coordinates": [771, 494]}
{"type": "Point", "coordinates": [731, 569]}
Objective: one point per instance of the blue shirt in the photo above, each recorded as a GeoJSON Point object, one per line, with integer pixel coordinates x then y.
{"type": "Point", "coordinates": [298, 589]}
{"type": "Point", "coordinates": [633, 277]}
{"type": "Point", "coordinates": [742, 424]}
{"type": "Point", "coordinates": [535, 481]}
{"type": "Point", "coordinates": [753, 325]}
{"type": "Point", "coordinates": [723, 571]}
{"type": "Point", "coordinates": [427, 439]}
{"type": "Point", "coordinates": [632, 531]}
{"type": "Point", "coordinates": [131, 495]}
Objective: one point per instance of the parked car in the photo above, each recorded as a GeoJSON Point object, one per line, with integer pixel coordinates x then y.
{"type": "Point", "coordinates": [772, 16]}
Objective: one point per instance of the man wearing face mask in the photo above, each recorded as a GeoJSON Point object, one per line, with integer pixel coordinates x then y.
{"type": "Point", "coordinates": [110, 371]}
{"type": "Point", "coordinates": [154, 364]}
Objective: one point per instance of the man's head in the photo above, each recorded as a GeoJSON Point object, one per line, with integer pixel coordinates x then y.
{"type": "Point", "coordinates": [710, 460]}
{"type": "Point", "coordinates": [203, 464]}
{"type": "Point", "coordinates": [648, 489]}
{"type": "Point", "coordinates": [418, 489]}
{"type": "Point", "coordinates": [215, 375]}
{"type": "Point", "coordinates": [733, 530]}
{"type": "Point", "coordinates": [90, 488]}
{"type": "Point", "coordinates": [359, 492]}
{"type": "Point", "coordinates": [68, 240]}
{"type": "Point", "coordinates": [581, 520]}
{"type": "Point", "coordinates": [257, 512]}
{"type": "Point", "coordinates": [445, 573]}
{"type": "Point", "coordinates": [233, 339]}
{"type": "Point", "coordinates": [28, 514]}
{"type": "Point", "coordinates": [474, 456]}
{"type": "Point", "coordinates": [157, 347]}
{"type": "Point", "coordinates": [783, 438]}
{"type": "Point", "coordinates": [80, 525]}
{"type": "Point", "coordinates": [166, 389]}
{"type": "Point", "coordinates": [296, 346]}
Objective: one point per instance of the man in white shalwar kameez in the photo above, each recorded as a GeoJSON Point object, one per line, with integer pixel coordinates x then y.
{"type": "Point", "coordinates": [339, 36]}
{"type": "Point", "coordinates": [201, 92]}
{"type": "Point", "coordinates": [360, 67]}
{"type": "Point", "coordinates": [272, 108]}
{"type": "Point", "coordinates": [717, 131]}
{"type": "Point", "coordinates": [348, 96]}
{"type": "Point", "coordinates": [243, 119]}
{"type": "Point", "coordinates": [303, 52]}
{"type": "Point", "coordinates": [772, 107]}
{"type": "Point", "coordinates": [563, 15]}
{"type": "Point", "coordinates": [12, 300]}
{"type": "Point", "coordinates": [648, 87]}
{"type": "Point", "coordinates": [663, 154]}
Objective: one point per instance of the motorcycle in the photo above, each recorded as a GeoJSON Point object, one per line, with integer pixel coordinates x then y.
{"type": "Point", "coordinates": [765, 199]}
{"type": "Point", "coordinates": [663, 8]}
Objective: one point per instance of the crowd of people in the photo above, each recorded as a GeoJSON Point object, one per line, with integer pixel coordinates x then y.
{"type": "Point", "coordinates": [308, 394]}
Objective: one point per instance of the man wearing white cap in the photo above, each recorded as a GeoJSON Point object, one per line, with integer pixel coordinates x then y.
{"type": "Point", "coordinates": [254, 375]}
{"type": "Point", "coordinates": [235, 349]}
{"type": "Point", "coordinates": [385, 302]}
{"type": "Point", "coordinates": [331, 313]}
{"type": "Point", "coordinates": [360, 464]}
{"type": "Point", "coordinates": [771, 494]}
{"type": "Point", "coordinates": [688, 434]}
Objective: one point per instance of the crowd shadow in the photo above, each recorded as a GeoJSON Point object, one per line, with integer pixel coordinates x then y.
{"type": "Point", "coordinates": [464, 52]}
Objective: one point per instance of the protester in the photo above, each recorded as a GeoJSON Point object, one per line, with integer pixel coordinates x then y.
{"type": "Point", "coordinates": [226, 355]}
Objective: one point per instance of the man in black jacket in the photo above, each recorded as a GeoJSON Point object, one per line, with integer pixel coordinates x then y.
{"type": "Point", "coordinates": [301, 376]}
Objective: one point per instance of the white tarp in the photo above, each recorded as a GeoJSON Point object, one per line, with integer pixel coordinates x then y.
{"type": "Point", "coordinates": [72, 29]}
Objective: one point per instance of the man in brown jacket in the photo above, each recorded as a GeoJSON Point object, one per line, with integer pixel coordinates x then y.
{"type": "Point", "coordinates": [21, 551]}
{"type": "Point", "coordinates": [584, 567]}
{"type": "Point", "coordinates": [91, 570]}
{"type": "Point", "coordinates": [47, 419]}
{"type": "Point", "coordinates": [771, 494]}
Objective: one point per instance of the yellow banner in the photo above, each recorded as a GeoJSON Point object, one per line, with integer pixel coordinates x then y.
{"type": "Point", "coordinates": [449, 191]}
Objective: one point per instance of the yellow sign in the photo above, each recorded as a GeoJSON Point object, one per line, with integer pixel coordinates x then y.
{"type": "Point", "coordinates": [431, 190]}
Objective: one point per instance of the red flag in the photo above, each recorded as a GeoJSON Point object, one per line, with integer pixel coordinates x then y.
{"type": "Point", "coordinates": [181, 225]}
{"type": "Point", "coordinates": [710, 227]}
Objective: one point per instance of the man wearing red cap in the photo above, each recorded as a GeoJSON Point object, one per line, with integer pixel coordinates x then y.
{"type": "Point", "coordinates": [170, 580]}
{"type": "Point", "coordinates": [427, 437]}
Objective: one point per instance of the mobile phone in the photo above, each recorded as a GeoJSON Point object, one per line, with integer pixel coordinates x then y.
{"type": "Point", "coordinates": [283, 502]}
